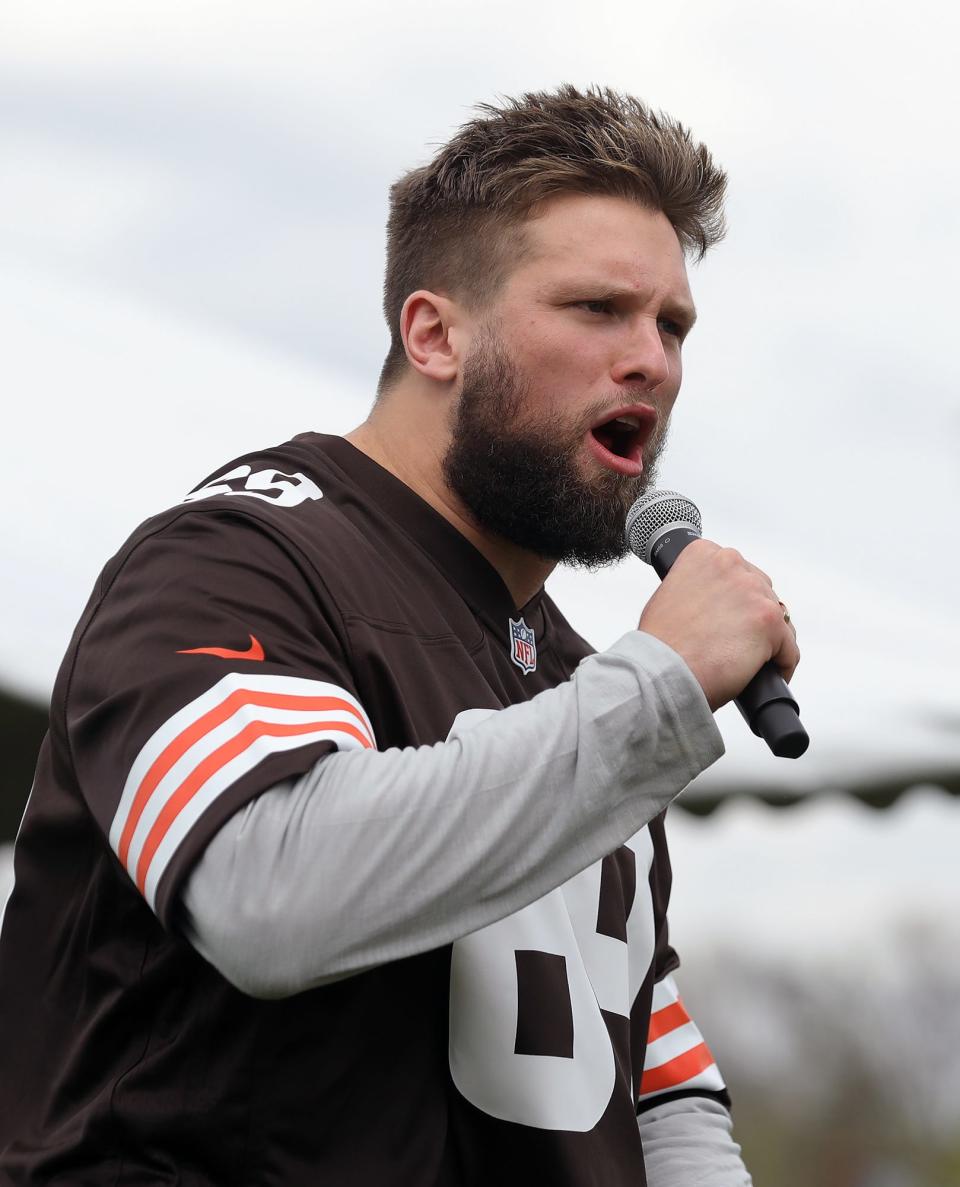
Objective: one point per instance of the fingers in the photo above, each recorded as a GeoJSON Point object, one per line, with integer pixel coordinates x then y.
{"type": "Point", "coordinates": [738, 559]}
{"type": "Point", "coordinates": [760, 573]}
{"type": "Point", "coordinates": [789, 655]}
{"type": "Point", "coordinates": [721, 614]}
{"type": "Point", "coordinates": [786, 656]}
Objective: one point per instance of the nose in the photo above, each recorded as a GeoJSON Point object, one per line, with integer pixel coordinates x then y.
{"type": "Point", "coordinates": [642, 360]}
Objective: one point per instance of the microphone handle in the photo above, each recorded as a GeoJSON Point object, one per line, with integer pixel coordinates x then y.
{"type": "Point", "coordinates": [767, 703]}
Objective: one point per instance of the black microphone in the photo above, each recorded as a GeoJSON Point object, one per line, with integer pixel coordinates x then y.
{"type": "Point", "coordinates": [660, 525]}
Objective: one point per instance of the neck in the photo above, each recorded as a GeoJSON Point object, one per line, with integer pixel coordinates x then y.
{"type": "Point", "coordinates": [393, 436]}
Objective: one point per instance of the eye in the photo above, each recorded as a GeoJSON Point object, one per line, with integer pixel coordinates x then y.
{"type": "Point", "coordinates": [599, 305]}
{"type": "Point", "coordinates": [671, 327]}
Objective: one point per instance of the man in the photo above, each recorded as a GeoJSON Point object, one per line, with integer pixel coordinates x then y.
{"type": "Point", "coordinates": [345, 858]}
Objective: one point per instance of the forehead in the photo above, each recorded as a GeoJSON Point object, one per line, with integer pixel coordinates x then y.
{"type": "Point", "coordinates": [600, 238]}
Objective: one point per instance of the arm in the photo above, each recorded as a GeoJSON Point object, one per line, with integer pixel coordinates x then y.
{"type": "Point", "coordinates": [683, 1106]}
{"type": "Point", "coordinates": [689, 1143]}
{"type": "Point", "coordinates": [301, 886]}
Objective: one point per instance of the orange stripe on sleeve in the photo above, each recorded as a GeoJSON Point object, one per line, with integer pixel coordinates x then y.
{"type": "Point", "coordinates": [176, 749]}
{"type": "Point", "coordinates": [677, 1071]}
{"type": "Point", "coordinates": [214, 761]}
{"type": "Point", "coordinates": [664, 1021]}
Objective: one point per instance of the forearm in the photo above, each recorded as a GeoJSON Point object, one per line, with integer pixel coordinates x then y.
{"type": "Point", "coordinates": [689, 1143]}
{"type": "Point", "coordinates": [375, 856]}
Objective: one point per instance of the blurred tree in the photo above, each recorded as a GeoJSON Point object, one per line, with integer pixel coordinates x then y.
{"type": "Point", "coordinates": [842, 1075]}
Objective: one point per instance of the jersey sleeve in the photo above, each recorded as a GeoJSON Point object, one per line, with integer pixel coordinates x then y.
{"type": "Point", "coordinates": [211, 668]}
{"type": "Point", "coordinates": [677, 1061]}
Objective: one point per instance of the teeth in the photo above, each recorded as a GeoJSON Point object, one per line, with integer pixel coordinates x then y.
{"type": "Point", "coordinates": [630, 422]}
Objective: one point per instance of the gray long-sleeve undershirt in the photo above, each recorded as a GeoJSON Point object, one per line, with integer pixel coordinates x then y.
{"type": "Point", "coordinates": [373, 856]}
{"type": "Point", "coordinates": [689, 1143]}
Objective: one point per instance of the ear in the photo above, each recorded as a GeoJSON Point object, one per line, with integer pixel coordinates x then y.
{"type": "Point", "coordinates": [431, 330]}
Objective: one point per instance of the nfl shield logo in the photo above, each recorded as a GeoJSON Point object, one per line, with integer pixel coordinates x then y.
{"type": "Point", "coordinates": [523, 647]}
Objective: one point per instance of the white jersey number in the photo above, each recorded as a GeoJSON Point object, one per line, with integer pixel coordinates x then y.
{"type": "Point", "coordinates": [568, 1091]}
{"type": "Point", "coordinates": [272, 486]}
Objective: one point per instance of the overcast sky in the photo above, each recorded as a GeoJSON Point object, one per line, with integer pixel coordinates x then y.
{"type": "Point", "coordinates": [191, 228]}
{"type": "Point", "coordinates": [192, 201]}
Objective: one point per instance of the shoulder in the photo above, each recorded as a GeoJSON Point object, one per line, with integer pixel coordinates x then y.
{"type": "Point", "coordinates": [282, 477]}
{"type": "Point", "coordinates": [310, 522]}
{"type": "Point", "coordinates": [260, 528]}
{"type": "Point", "coordinates": [282, 485]}
{"type": "Point", "coordinates": [290, 496]}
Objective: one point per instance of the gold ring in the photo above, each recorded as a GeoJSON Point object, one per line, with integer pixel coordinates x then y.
{"type": "Point", "coordinates": [786, 612]}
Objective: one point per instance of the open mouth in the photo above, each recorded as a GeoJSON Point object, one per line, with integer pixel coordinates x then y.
{"type": "Point", "coordinates": [621, 438]}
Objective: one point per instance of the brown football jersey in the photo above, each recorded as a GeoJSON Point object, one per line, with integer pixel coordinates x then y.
{"type": "Point", "coordinates": [303, 600]}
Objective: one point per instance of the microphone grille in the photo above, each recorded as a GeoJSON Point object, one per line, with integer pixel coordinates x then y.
{"type": "Point", "coordinates": [655, 511]}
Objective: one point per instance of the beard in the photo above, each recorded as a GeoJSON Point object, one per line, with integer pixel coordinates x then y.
{"type": "Point", "coordinates": [522, 478]}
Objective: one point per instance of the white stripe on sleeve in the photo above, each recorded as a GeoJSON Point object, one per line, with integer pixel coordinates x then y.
{"type": "Point", "coordinates": [208, 745]}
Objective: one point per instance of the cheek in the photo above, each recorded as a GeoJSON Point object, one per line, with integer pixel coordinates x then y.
{"type": "Point", "coordinates": [582, 361]}
{"type": "Point", "coordinates": [558, 370]}
{"type": "Point", "coordinates": [553, 350]}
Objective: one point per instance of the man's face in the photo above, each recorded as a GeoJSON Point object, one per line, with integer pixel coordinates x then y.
{"type": "Point", "coordinates": [570, 380]}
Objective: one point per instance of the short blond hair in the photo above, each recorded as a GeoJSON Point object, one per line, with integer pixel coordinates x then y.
{"type": "Point", "coordinates": [456, 224]}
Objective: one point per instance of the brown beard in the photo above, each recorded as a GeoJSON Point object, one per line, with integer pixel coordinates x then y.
{"type": "Point", "coordinates": [522, 480]}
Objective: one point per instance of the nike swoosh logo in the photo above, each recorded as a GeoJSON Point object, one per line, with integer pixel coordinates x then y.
{"type": "Point", "coordinates": [254, 651]}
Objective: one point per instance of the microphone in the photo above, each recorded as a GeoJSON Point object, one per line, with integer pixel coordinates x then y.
{"type": "Point", "coordinates": [660, 525]}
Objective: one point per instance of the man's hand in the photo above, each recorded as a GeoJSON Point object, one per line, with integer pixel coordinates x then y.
{"type": "Point", "coordinates": [721, 615]}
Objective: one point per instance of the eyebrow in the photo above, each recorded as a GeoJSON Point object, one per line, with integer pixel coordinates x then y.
{"type": "Point", "coordinates": [687, 314]}
{"type": "Point", "coordinates": [604, 291]}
